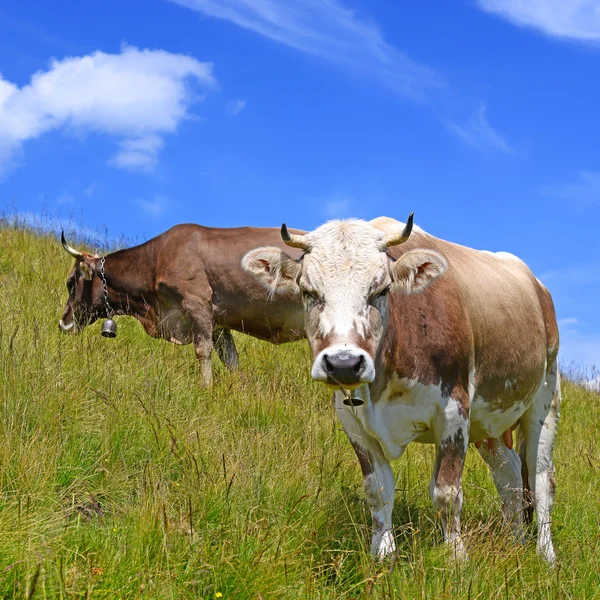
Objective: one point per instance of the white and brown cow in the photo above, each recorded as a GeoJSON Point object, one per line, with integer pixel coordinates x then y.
{"type": "Point", "coordinates": [439, 344]}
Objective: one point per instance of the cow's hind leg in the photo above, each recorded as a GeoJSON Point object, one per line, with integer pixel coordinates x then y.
{"type": "Point", "coordinates": [452, 440]}
{"type": "Point", "coordinates": [505, 467]}
{"type": "Point", "coordinates": [225, 347]}
{"type": "Point", "coordinates": [378, 480]}
{"type": "Point", "coordinates": [538, 431]}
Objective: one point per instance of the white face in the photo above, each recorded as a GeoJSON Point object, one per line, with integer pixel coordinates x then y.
{"type": "Point", "coordinates": [345, 277]}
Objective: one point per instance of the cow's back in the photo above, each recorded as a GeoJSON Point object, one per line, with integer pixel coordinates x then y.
{"type": "Point", "coordinates": [205, 263]}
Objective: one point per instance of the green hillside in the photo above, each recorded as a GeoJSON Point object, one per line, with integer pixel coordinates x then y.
{"type": "Point", "coordinates": [121, 478]}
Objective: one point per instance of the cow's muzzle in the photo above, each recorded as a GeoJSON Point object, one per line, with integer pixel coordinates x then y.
{"type": "Point", "coordinates": [346, 366]}
{"type": "Point", "coordinates": [67, 327]}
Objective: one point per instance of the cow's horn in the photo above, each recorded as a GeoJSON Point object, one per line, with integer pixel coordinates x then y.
{"type": "Point", "coordinates": [293, 239]}
{"type": "Point", "coordinates": [393, 239]}
{"type": "Point", "coordinates": [74, 253]}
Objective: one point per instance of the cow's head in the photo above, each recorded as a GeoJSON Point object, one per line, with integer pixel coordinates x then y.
{"type": "Point", "coordinates": [85, 304]}
{"type": "Point", "coordinates": [345, 276]}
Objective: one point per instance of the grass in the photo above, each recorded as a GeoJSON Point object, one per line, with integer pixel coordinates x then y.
{"type": "Point", "coordinates": [121, 478]}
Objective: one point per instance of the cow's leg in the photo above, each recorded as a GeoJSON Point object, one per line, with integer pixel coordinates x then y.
{"type": "Point", "coordinates": [505, 467]}
{"type": "Point", "coordinates": [203, 347]}
{"type": "Point", "coordinates": [200, 313]}
{"type": "Point", "coordinates": [379, 487]}
{"type": "Point", "coordinates": [378, 480]}
{"type": "Point", "coordinates": [452, 440]}
{"type": "Point", "coordinates": [225, 347]}
{"type": "Point", "coordinates": [538, 428]}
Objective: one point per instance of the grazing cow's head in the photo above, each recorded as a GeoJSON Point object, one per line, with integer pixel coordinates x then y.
{"type": "Point", "coordinates": [83, 306]}
{"type": "Point", "coordinates": [345, 276]}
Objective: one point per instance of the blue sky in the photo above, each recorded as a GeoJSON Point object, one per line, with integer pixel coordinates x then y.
{"type": "Point", "coordinates": [479, 115]}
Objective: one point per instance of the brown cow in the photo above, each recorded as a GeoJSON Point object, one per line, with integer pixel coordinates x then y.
{"type": "Point", "coordinates": [429, 342]}
{"type": "Point", "coordinates": [186, 286]}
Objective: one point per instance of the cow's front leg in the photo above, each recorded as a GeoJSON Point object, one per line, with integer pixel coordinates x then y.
{"type": "Point", "coordinates": [378, 480]}
{"type": "Point", "coordinates": [452, 439]}
{"type": "Point", "coordinates": [203, 346]}
{"type": "Point", "coordinates": [379, 487]}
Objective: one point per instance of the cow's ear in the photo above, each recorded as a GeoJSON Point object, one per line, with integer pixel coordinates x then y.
{"type": "Point", "coordinates": [416, 269]}
{"type": "Point", "coordinates": [86, 270]}
{"type": "Point", "coordinates": [273, 268]}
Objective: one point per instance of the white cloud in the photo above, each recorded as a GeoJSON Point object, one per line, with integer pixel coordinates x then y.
{"type": "Point", "coordinates": [329, 30]}
{"type": "Point", "coordinates": [137, 95]}
{"type": "Point", "coordinates": [567, 19]}
{"type": "Point", "coordinates": [154, 207]}
{"type": "Point", "coordinates": [140, 153]}
{"type": "Point", "coordinates": [479, 134]}
{"type": "Point", "coordinates": [585, 190]}
{"type": "Point", "coordinates": [235, 107]}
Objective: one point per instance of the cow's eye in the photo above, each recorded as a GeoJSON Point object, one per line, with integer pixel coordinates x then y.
{"type": "Point", "coordinates": [311, 296]}
{"type": "Point", "coordinates": [380, 294]}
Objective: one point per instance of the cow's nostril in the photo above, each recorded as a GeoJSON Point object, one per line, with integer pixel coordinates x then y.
{"type": "Point", "coordinates": [359, 365]}
{"type": "Point", "coordinates": [327, 363]}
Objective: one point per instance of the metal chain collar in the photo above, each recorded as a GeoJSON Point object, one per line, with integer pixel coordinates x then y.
{"type": "Point", "coordinates": [109, 310]}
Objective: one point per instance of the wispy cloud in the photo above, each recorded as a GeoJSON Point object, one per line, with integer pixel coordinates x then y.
{"type": "Point", "coordinates": [90, 189]}
{"type": "Point", "coordinates": [137, 96]}
{"type": "Point", "coordinates": [65, 198]}
{"type": "Point", "coordinates": [154, 207]}
{"type": "Point", "coordinates": [235, 107]}
{"type": "Point", "coordinates": [567, 19]}
{"type": "Point", "coordinates": [584, 190]}
{"type": "Point", "coordinates": [331, 31]}
{"type": "Point", "coordinates": [568, 321]}
{"type": "Point", "coordinates": [579, 348]}
{"type": "Point", "coordinates": [579, 274]}
{"type": "Point", "coordinates": [140, 153]}
{"type": "Point", "coordinates": [478, 133]}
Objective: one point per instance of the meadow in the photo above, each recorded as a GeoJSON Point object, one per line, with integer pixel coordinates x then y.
{"type": "Point", "coordinates": [121, 478]}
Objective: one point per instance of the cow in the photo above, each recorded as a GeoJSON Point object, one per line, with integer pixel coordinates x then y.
{"type": "Point", "coordinates": [186, 286]}
{"type": "Point", "coordinates": [424, 340]}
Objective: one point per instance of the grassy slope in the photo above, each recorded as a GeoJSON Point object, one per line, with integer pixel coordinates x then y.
{"type": "Point", "coordinates": [120, 477]}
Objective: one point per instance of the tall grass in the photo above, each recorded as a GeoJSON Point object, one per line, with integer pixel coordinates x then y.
{"type": "Point", "coordinates": [121, 478]}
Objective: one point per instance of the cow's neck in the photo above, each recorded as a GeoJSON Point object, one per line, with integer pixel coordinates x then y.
{"type": "Point", "coordinates": [383, 373]}
{"type": "Point", "coordinates": [130, 277]}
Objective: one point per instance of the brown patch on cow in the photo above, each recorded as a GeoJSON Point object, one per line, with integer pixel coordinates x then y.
{"type": "Point", "coordinates": [486, 313]}
{"type": "Point", "coordinates": [528, 496]}
{"type": "Point", "coordinates": [322, 342]}
{"type": "Point", "coordinates": [450, 459]}
{"type": "Point", "coordinates": [364, 459]}
{"type": "Point", "coordinates": [429, 339]}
